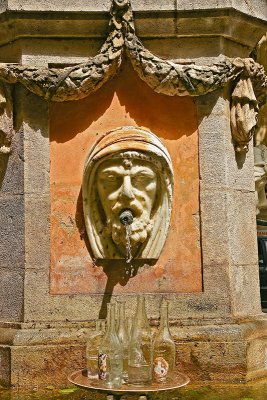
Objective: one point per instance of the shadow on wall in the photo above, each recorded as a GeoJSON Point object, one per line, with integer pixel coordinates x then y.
{"type": "Point", "coordinates": [3, 167]}
{"type": "Point", "coordinates": [119, 275]}
{"type": "Point", "coordinates": [158, 112]}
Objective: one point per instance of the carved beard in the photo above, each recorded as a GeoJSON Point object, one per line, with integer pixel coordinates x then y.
{"type": "Point", "coordinates": [140, 230]}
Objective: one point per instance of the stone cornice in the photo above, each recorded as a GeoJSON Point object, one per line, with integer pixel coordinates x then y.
{"type": "Point", "coordinates": [168, 77]}
{"type": "Point", "coordinates": [91, 22]}
{"type": "Point", "coordinates": [255, 8]}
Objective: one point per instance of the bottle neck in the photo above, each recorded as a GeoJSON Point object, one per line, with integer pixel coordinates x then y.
{"type": "Point", "coordinates": [108, 319]}
{"type": "Point", "coordinates": [141, 316]}
{"type": "Point", "coordinates": [164, 316]}
{"type": "Point", "coordinates": [121, 325]}
{"type": "Point", "coordinates": [112, 328]}
{"type": "Point", "coordinates": [121, 312]}
{"type": "Point", "coordinates": [98, 326]}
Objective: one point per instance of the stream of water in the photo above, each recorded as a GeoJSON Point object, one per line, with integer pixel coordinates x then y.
{"type": "Point", "coordinates": [128, 231]}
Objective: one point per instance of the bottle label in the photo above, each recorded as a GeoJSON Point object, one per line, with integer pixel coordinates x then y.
{"type": "Point", "coordinates": [161, 368]}
{"type": "Point", "coordinates": [102, 366]}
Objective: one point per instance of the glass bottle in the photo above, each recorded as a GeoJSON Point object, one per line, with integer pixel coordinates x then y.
{"type": "Point", "coordinates": [92, 348]}
{"type": "Point", "coordinates": [110, 357]}
{"type": "Point", "coordinates": [140, 348]}
{"type": "Point", "coordinates": [163, 347]}
{"type": "Point", "coordinates": [124, 339]}
{"type": "Point", "coordinates": [129, 325]}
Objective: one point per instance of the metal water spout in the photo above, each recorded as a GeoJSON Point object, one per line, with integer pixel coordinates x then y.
{"type": "Point", "coordinates": [126, 219]}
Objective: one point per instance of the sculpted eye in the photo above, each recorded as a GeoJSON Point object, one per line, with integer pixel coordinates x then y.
{"type": "Point", "coordinates": [142, 178]}
{"type": "Point", "coordinates": [110, 178]}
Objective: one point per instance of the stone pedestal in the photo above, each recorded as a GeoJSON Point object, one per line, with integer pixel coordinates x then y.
{"type": "Point", "coordinates": [216, 318]}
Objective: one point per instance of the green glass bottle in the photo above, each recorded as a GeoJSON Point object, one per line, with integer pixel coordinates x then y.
{"type": "Point", "coordinates": [163, 348]}
{"type": "Point", "coordinates": [140, 348]}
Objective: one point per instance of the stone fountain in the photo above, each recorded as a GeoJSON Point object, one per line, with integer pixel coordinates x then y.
{"type": "Point", "coordinates": [127, 167]}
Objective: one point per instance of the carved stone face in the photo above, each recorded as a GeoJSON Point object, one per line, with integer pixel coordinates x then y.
{"type": "Point", "coordinates": [128, 172]}
{"type": "Point", "coordinates": [127, 184]}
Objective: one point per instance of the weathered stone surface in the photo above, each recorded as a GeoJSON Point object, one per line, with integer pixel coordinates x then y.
{"type": "Point", "coordinates": [11, 215]}
{"type": "Point", "coordinates": [228, 169]}
{"type": "Point", "coordinates": [204, 361]}
{"type": "Point", "coordinates": [36, 148]}
{"type": "Point", "coordinates": [216, 247]}
{"type": "Point", "coordinates": [12, 231]}
{"type": "Point", "coordinates": [38, 366]}
{"type": "Point", "coordinates": [68, 51]}
{"type": "Point", "coordinates": [242, 228]}
{"type": "Point", "coordinates": [50, 335]}
{"type": "Point", "coordinates": [11, 293]}
{"type": "Point", "coordinates": [11, 171]}
{"type": "Point", "coordinates": [37, 253]}
{"type": "Point", "coordinates": [257, 358]}
{"type": "Point", "coordinates": [45, 307]}
{"type": "Point", "coordinates": [246, 296]}
{"type": "Point", "coordinates": [5, 365]}
{"type": "Point", "coordinates": [255, 8]}
{"type": "Point", "coordinates": [205, 352]}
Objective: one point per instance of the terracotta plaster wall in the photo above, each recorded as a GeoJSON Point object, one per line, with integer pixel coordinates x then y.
{"type": "Point", "coordinates": [75, 126]}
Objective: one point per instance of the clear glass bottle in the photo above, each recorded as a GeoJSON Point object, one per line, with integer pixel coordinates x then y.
{"type": "Point", "coordinates": [124, 339]}
{"type": "Point", "coordinates": [110, 356]}
{"type": "Point", "coordinates": [140, 348]}
{"type": "Point", "coordinates": [92, 348]}
{"type": "Point", "coordinates": [163, 347]}
{"type": "Point", "coordinates": [129, 325]}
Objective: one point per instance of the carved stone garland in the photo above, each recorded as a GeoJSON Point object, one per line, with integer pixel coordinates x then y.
{"type": "Point", "coordinates": [164, 76]}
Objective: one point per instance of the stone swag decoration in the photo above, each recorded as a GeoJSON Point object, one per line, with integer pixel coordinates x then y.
{"type": "Point", "coordinates": [168, 77]}
{"type": "Point", "coordinates": [128, 182]}
{"type": "Point", "coordinates": [164, 76]}
{"type": "Point", "coordinates": [6, 118]}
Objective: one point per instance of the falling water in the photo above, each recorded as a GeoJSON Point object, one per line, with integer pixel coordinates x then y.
{"type": "Point", "coordinates": [129, 256]}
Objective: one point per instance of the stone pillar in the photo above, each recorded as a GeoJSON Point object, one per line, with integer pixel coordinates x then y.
{"type": "Point", "coordinates": [228, 211]}
{"type": "Point", "coordinates": [12, 212]}
{"type": "Point", "coordinates": [219, 329]}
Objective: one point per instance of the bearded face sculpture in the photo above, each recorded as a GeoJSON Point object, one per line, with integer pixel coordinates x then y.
{"type": "Point", "coordinates": [129, 169]}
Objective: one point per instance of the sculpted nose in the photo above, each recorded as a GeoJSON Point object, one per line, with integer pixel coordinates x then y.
{"type": "Point", "coordinates": [127, 189]}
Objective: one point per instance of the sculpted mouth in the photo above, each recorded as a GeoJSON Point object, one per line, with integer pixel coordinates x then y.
{"type": "Point", "coordinates": [135, 209]}
{"type": "Point", "coordinates": [126, 217]}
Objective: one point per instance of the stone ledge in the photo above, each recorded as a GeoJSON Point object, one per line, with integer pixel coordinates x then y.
{"type": "Point", "coordinates": [25, 19]}
{"type": "Point", "coordinates": [213, 330]}
{"type": "Point", "coordinates": [255, 8]}
{"type": "Point", "coordinates": [211, 352]}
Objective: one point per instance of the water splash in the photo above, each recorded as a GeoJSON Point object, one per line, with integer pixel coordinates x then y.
{"type": "Point", "coordinates": [129, 256]}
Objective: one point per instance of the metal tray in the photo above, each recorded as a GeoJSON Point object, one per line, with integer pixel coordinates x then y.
{"type": "Point", "coordinates": [80, 379]}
